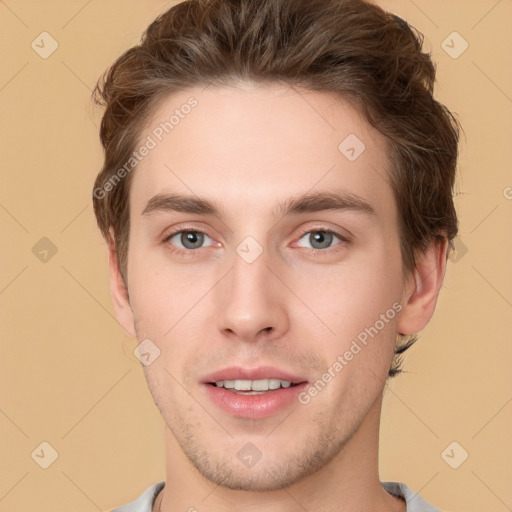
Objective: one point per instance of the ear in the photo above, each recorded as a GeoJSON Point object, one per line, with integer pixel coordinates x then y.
{"type": "Point", "coordinates": [422, 288]}
{"type": "Point", "coordinates": [119, 293]}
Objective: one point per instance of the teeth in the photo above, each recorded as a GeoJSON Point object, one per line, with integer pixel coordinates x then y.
{"type": "Point", "coordinates": [253, 385]}
{"type": "Point", "coordinates": [243, 385]}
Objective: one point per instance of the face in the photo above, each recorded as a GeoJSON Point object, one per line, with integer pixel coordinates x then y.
{"type": "Point", "coordinates": [281, 261]}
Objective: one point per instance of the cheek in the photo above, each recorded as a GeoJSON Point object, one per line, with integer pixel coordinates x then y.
{"type": "Point", "coordinates": [154, 296]}
{"type": "Point", "coordinates": [352, 295]}
{"type": "Point", "coordinates": [170, 303]}
{"type": "Point", "coordinates": [358, 307]}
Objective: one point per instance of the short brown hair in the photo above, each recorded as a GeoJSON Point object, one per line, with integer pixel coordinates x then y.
{"type": "Point", "coordinates": [350, 47]}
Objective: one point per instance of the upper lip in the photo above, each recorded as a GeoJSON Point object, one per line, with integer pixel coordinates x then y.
{"type": "Point", "coordinates": [260, 373]}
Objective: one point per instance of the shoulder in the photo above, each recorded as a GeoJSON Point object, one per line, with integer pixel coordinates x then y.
{"type": "Point", "coordinates": [144, 503]}
{"type": "Point", "coordinates": [415, 503]}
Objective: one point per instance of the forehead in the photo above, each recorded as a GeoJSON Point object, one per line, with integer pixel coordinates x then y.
{"type": "Point", "coordinates": [251, 144]}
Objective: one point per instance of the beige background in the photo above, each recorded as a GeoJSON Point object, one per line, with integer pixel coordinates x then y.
{"type": "Point", "coordinates": [68, 376]}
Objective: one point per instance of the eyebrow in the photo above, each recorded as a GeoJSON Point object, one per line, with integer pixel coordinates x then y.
{"type": "Point", "coordinates": [306, 203]}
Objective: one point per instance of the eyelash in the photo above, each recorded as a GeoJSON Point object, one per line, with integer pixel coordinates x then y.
{"type": "Point", "coordinates": [315, 252]}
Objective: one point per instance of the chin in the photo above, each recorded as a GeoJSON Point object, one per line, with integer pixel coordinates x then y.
{"type": "Point", "coordinates": [251, 480]}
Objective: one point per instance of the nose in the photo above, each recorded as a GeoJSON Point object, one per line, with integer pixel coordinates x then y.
{"type": "Point", "coordinates": [252, 301]}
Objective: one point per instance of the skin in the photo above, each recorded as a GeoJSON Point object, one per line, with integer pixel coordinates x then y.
{"type": "Point", "coordinates": [249, 147]}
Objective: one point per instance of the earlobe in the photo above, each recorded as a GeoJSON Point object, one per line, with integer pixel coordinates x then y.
{"type": "Point", "coordinates": [119, 293]}
{"type": "Point", "coordinates": [422, 289]}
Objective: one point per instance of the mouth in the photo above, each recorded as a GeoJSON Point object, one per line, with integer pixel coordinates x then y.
{"type": "Point", "coordinates": [253, 387]}
{"type": "Point", "coordinates": [253, 393]}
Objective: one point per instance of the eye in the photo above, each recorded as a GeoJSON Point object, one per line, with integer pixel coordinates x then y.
{"type": "Point", "coordinates": [321, 238]}
{"type": "Point", "coordinates": [189, 239]}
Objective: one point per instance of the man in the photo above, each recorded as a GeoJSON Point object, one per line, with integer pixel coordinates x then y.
{"type": "Point", "coordinates": [277, 201]}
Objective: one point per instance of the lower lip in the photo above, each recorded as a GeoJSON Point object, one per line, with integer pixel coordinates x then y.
{"type": "Point", "coordinates": [253, 406]}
